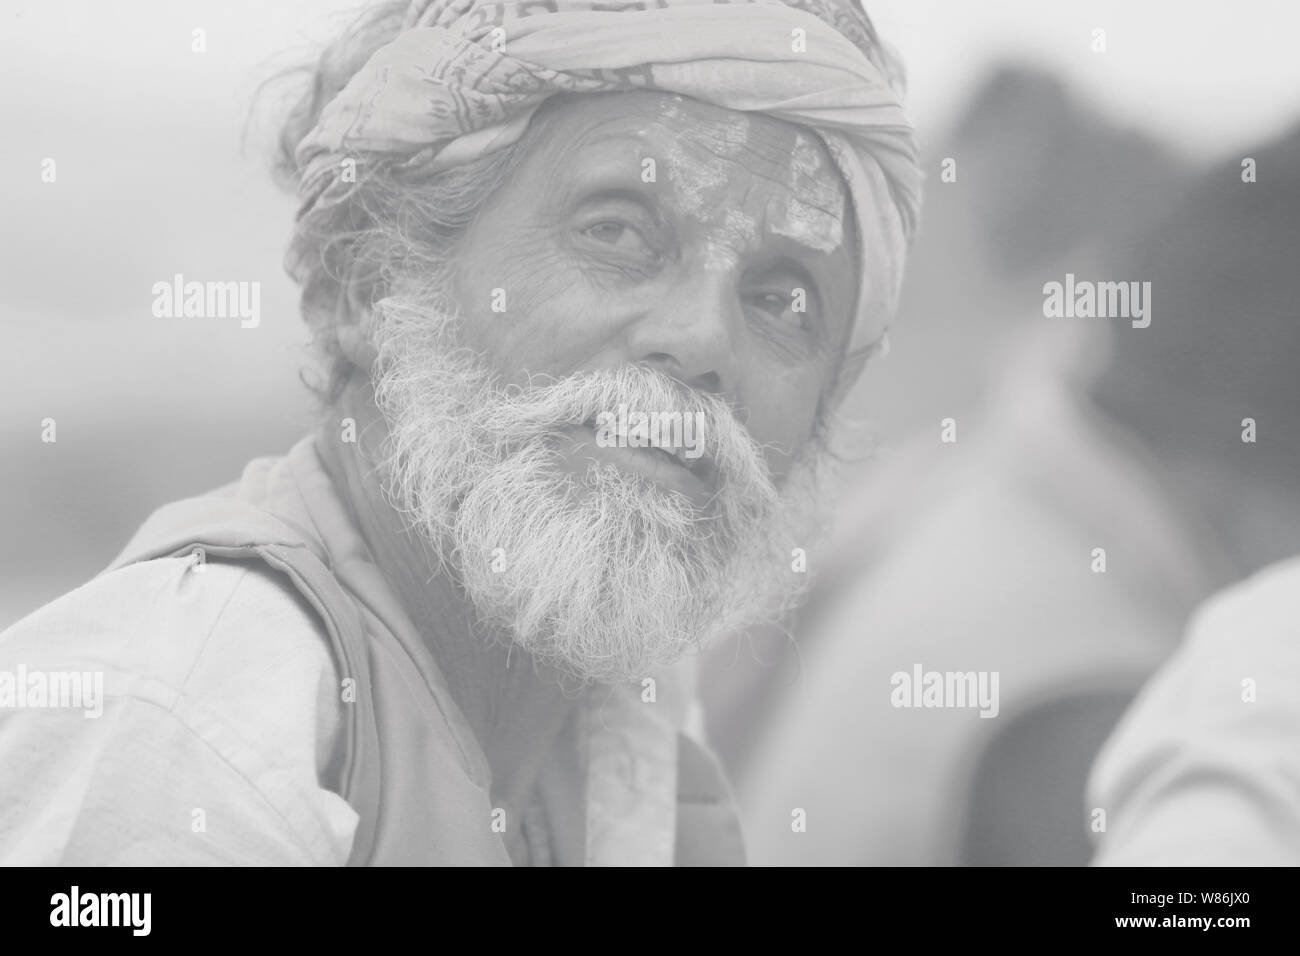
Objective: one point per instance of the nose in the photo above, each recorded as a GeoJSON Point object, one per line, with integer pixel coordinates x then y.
{"type": "Point", "coordinates": [693, 332]}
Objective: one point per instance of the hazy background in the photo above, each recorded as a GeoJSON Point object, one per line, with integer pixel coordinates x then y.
{"type": "Point", "coordinates": [157, 174]}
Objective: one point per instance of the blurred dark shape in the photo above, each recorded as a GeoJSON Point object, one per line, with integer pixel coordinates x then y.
{"type": "Point", "coordinates": [1026, 806]}
{"type": "Point", "coordinates": [1046, 173]}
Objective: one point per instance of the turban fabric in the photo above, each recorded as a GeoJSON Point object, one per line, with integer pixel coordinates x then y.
{"type": "Point", "coordinates": [463, 78]}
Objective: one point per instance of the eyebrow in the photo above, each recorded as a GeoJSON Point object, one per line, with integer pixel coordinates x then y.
{"type": "Point", "coordinates": [609, 130]}
{"type": "Point", "coordinates": [609, 173]}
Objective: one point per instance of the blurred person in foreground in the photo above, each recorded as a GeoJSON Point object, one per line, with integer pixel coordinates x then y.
{"type": "Point", "coordinates": [457, 624]}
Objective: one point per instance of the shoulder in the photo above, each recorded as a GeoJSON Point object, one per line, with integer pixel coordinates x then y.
{"type": "Point", "coordinates": [1196, 769]}
{"type": "Point", "coordinates": [1266, 606]}
{"type": "Point", "coordinates": [182, 626]}
{"type": "Point", "coordinates": [1249, 632]}
{"type": "Point", "coordinates": [221, 677]}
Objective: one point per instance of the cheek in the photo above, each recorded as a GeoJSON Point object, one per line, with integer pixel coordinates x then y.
{"type": "Point", "coordinates": [781, 409]}
{"type": "Point", "coordinates": [529, 308]}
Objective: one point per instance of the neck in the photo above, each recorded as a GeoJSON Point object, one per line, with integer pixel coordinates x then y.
{"type": "Point", "coordinates": [515, 707]}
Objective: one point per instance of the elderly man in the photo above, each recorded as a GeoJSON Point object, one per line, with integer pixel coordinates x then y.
{"type": "Point", "coordinates": [590, 278]}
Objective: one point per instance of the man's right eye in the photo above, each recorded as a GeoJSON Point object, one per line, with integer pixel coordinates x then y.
{"type": "Point", "coordinates": [618, 234]}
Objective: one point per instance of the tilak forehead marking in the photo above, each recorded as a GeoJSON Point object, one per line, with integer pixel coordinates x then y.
{"type": "Point", "coordinates": [811, 216]}
{"type": "Point", "coordinates": [807, 213]}
{"type": "Point", "coordinates": [692, 176]}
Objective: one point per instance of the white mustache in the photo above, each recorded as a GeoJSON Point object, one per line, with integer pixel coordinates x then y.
{"type": "Point", "coordinates": [523, 414]}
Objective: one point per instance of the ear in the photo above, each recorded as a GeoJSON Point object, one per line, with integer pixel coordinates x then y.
{"type": "Point", "coordinates": [352, 321]}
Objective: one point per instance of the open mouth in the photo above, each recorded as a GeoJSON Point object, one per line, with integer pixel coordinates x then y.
{"type": "Point", "coordinates": [698, 464]}
{"type": "Point", "coordinates": [668, 467]}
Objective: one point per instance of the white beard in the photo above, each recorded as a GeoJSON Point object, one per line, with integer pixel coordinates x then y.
{"type": "Point", "coordinates": [607, 577]}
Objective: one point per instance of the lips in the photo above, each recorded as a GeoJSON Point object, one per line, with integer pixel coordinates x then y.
{"type": "Point", "coordinates": [698, 466]}
{"type": "Point", "coordinates": [669, 468]}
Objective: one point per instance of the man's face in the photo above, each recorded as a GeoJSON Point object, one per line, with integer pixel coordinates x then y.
{"type": "Point", "coordinates": [648, 229]}
{"type": "Point", "coordinates": [678, 296]}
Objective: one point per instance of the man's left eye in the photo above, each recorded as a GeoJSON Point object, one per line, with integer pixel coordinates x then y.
{"type": "Point", "coordinates": [778, 304]}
